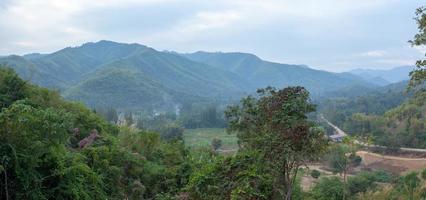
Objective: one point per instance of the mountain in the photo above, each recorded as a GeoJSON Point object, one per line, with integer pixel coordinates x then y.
{"type": "Point", "coordinates": [384, 77]}
{"type": "Point", "coordinates": [169, 77]}
{"type": "Point", "coordinates": [263, 73]}
{"type": "Point", "coordinates": [135, 76]}
{"type": "Point", "coordinates": [29, 70]}
{"type": "Point", "coordinates": [126, 75]}
{"type": "Point", "coordinates": [121, 88]}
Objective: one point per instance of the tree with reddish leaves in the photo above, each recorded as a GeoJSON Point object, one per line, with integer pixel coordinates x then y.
{"type": "Point", "coordinates": [276, 125]}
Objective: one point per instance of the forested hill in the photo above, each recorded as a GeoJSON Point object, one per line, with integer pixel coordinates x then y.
{"type": "Point", "coordinates": [392, 115]}
{"type": "Point", "coordinates": [341, 105]}
{"type": "Point", "coordinates": [263, 73]}
{"type": "Point", "coordinates": [121, 75]}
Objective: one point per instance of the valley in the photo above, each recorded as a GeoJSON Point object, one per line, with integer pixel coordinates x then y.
{"type": "Point", "coordinates": [212, 100]}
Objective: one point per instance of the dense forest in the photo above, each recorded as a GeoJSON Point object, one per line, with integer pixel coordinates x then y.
{"type": "Point", "coordinates": [54, 149]}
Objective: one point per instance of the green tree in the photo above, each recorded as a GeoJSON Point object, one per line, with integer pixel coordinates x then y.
{"type": "Point", "coordinates": [277, 125]}
{"type": "Point", "coordinates": [171, 132]}
{"type": "Point", "coordinates": [238, 177]}
{"type": "Point", "coordinates": [361, 183]}
{"type": "Point", "coordinates": [341, 158]}
{"type": "Point", "coordinates": [328, 188]}
{"type": "Point", "coordinates": [424, 174]}
{"type": "Point", "coordinates": [12, 88]}
{"type": "Point", "coordinates": [418, 76]}
{"type": "Point", "coordinates": [409, 184]}
{"type": "Point", "coordinates": [216, 144]}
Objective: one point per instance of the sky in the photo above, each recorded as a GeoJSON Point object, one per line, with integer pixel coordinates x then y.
{"type": "Point", "coordinates": [333, 35]}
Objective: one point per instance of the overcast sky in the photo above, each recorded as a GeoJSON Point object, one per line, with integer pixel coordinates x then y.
{"type": "Point", "coordinates": [335, 35]}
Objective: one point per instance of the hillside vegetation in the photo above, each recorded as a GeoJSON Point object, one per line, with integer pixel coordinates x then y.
{"type": "Point", "coordinates": [133, 76]}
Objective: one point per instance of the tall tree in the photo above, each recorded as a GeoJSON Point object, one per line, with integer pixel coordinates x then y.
{"type": "Point", "coordinates": [418, 76]}
{"type": "Point", "coordinates": [276, 125]}
{"type": "Point", "coordinates": [341, 158]}
{"type": "Point", "coordinates": [12, 88]}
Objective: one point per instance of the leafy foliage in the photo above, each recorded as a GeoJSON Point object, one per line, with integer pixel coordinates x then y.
{"type": "Point", "coordinates": [239, 177]}
{"type": "Point", "coordinates": [315, 173]}
{"type": "Point", "coordinates": [418, 76]}
{"type": "Point", "coordinates": [39, 160]}
{"type": "Point", "coordinates": [216, 143]}
{"type": "Point", "coordinates": [328, 189]}
{"type": "Point", "coordinates": [276, 125]}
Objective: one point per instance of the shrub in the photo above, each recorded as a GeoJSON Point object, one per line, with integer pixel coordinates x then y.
{"type": "Point", "coordinates": [355, 159]}
{"type": "Point", "coordinates": [315, 173]}
{"type": "Point", "coordinates": [328, 189]}
{"type": "Point", "coordinates": [424, 174]}
{"type": "Point", "coordinates": [216, 143]}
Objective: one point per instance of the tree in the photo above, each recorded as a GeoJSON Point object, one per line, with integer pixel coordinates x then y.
{"type": "Point", "coordinates": [243, 176]}
{"type": "Point", "coordinates": [361, 183]}
{"type": "Point", "coordinates": [328, 188]}
{"type": "Point", "coordinates": [276, 124]}
{"type": "Point", "coordinates": [341, 158]}
{"type": "Point", "coordinates": [171, 132]}
{"type": "Point", "coordinates": [409, 184]}
{"type": "Point", "coordinates": [424, 174]}
{"type": "Point", "coordinates": [12, 88]}
{"type": "Point", "coordinates": [418, 76]}
{"type": "Point", "coordinates": [216, 144]}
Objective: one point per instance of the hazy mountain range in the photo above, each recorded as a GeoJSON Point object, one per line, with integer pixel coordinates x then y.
{"type": "Point", "coordinates": [107, 73]}
{"type": "Point", "coordinates": [383, 77]}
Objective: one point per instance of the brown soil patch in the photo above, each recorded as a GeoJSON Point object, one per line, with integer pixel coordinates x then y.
{"type": "Point", "coordinates": [394, 164]}
{"type": "Point", "coordinates": [307, 183]}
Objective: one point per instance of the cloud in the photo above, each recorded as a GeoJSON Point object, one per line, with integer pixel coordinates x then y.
{"type": "Point", "coordinates": [396, 62]}
{"type": "Point", "coordinates": [375, 53]}
{"type": "Point", "coordinates": [50, 24]}
{"type": "Point", "coordinates": [303, 31]}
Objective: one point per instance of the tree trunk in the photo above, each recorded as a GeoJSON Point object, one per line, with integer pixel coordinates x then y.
{"type": "Point", "coordinates": [5, 185]}
{"type": "Point", "coordinates": [289, 193]}
{"type": "Point", "coordinates": [344, 184]}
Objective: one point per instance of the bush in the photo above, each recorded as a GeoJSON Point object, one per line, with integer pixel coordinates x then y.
{"type": "Point", "coordinates": [361, 182]}
{"type": "Point", "coordinates": [383, 176]}
{"type": "Point", "coordinates": [243, 176]}
{"type": "Point", "coordinates": [328, 189]}
{"type": "Point", "coordinates": [355, 159]}
{"type": "Point", "coordinates": [216, 144]}
{"type": "Point", "coordinates": [171, 132]}
{"type": "Point", "coordinates": [315, 173]}
{"type": "Point", "coordinates": [424, 174]}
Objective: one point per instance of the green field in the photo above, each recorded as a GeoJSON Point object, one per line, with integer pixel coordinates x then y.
{"type": "Point", "coordinates": [202, 137]}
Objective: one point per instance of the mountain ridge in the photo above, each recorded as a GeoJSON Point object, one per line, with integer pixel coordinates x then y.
{"type": "Point", "coordinates": [87, 73]}
{"type": "Point", "coordinates": [392, 75]}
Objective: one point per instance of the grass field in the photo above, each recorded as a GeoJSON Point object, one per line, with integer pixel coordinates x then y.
{"type": "Point", "coordinates": [202, 137]}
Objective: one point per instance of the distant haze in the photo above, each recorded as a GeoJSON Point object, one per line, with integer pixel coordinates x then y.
{"type": "Point", "coordinates": [335, 35]}
{"type": "Point", "coordinates": [393, 75]}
